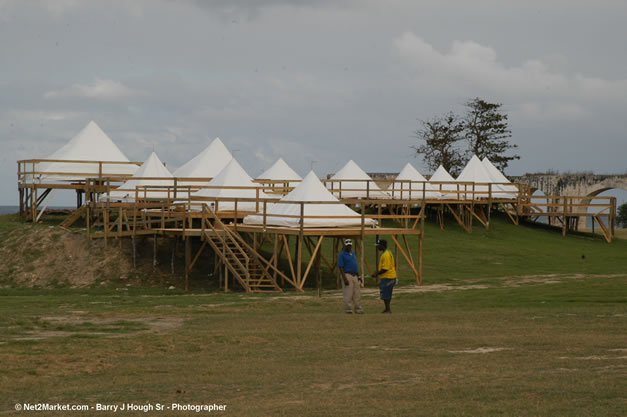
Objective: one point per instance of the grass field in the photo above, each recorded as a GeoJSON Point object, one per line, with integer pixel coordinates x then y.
{"type": "Point", "coordinates": [513, 321]}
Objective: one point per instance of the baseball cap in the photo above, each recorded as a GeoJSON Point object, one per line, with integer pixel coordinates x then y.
{"type": "Point", "coordinates": [348, 242]}
{"type": "Point", "coordinates": [382, 242]}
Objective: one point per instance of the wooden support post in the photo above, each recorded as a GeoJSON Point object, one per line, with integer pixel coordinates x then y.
{"type": "Point", "coordinates": [134, 252]}
{"type": "Point", "coordinates": [489, 204]}
{"type": "Point", "coordinates": [275, 261]}
{"type": "Point", "coordinates": [188, 253]}
{"type": "Point", "coordinates": [173, 247]}
{"type": "Point", "coordinates": [420, 239]}
{"type": "Point", "coordinates": [361, 244]}
{"type": "Point", "coordinates": [106, 225]}
{"type": "Point", "coordinates": [299, 254]}
{"type": "Point", "coordinates": [564, 223]}
{"type": "Point", "coordinates": [33, 204]}
{"type": "Point", "coordinates": [88, 221]}
{"type": "Point", "coordinates": [318, 273]}
{"type": "Point", "coordinates": [335, 255]}
{"type": "Point", "coordinates": [154, 252]}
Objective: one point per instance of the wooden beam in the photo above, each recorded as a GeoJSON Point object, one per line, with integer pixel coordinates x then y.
{"type": "Point", "coordinates": [311, 261]}
{"type": "Point", "coordinates": [411, 265]}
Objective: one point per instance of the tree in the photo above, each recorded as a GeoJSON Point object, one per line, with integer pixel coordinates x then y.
{"type": "Point", "coordinates": [487, 132]}
{"type": "Point", "coordinates": [441, 136]}
{"type": "Point", "coordinates": [621, 218]}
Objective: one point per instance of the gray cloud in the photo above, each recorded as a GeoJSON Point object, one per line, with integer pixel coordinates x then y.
{"type": "Point", "coordinates": [311, 81]}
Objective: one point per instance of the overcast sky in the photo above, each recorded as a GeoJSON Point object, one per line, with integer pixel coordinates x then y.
{"type": "Point", "coordinates": [317, 82]}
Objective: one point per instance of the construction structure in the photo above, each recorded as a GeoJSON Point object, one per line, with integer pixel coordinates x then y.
{"type": "Point", "coordinates": [268, 234]}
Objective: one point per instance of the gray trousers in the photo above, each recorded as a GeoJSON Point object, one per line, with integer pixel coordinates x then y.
{"type": "Point", "coordinates": [351, 293]}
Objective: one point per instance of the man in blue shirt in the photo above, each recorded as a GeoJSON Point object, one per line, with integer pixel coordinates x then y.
{"type": "Point", "coordinates": [347, 263]}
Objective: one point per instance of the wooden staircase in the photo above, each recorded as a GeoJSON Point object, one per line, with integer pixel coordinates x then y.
{"type": "Point", "coordinates": [73, 217]}
{"type": "Point", "coordinates": [242, 261]}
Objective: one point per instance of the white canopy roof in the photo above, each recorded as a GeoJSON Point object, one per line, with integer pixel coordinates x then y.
{"type": "Point", "coordinates": [310, 189]}
{"type": "Point", "coordinates": [233, 175]}
{"type": "Point", "coordinates": [206, 164]}
{"type": "Point", "coordinates": [151, 168]}
{"type": "Point", "coordinates": [280, 170]}
{"type": "Point", "coordinates": [407, 190]}
{"type": "Point", "coordinates": [442, 175]}
{"type": "Point", "coordinates": [497, 176]}
{"type": "Point", "coordinates": [90, 144]}
{"type": "Point", "coordinates": [474, 171]}
{"type": "Point", "coordinates": [356, 189]}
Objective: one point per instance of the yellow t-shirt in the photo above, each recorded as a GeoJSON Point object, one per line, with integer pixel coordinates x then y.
{"type": "Point", "coordinates": [386, 261]}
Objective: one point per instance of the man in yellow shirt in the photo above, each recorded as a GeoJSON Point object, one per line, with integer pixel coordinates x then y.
{"type": "Point", "coordinates": [386, 273]}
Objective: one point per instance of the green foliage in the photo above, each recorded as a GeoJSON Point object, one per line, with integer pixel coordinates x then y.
{"type": "Point", "coordinates": [484, 127]}
{"type": "Point", "coordinates": [487, 132]}
{"type": "Point", "coordinates": [441, 136]}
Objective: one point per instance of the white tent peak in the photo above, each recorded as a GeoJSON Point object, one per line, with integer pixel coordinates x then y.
{"type": "Point", "coordinates": [508, 191]}
{"type": "Point", "coordinates": [152, 173]}
{"type": "Point", "coordinates": [412, 190]}
{"type": "Point", "coordinates": [90, 144]}
{"type": "Point", "coordinates": [233, 175]}
{"type": "Point", "coordinates": [494, 172]}
{"type": "Point", "coordinates": [153, 167]}
{"type": "Point", "coordinates": [441, 174]}
{"type": "Point", "coordinates": [280, 170]}
{"type": "Point", "coordinates": [352, 171]}
{"type": "Point", "coordinates": [310, 189]}
{"type": "Point", "coordinates": [208, 163]}
{"type": "Point", "coordinates": [474, 171]}
{"type": "Point", "coordinates": [410, 173]}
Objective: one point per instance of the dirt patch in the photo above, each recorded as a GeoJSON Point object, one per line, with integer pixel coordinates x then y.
{"type": "Point", "coordinates": [480, 350]}
{"type": "Point", "coordinates": [52, 257]}
{"type": "Point", "coordinates": [65, 326]}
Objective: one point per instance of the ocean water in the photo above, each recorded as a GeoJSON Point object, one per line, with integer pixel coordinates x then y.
{"type": "Point", "coordinates": [9, 209]}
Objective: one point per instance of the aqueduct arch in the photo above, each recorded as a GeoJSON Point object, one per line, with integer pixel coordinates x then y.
{"type": "Point", "coordinates": [585, 185]}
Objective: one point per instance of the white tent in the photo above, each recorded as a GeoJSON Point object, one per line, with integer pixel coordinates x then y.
{"type": "Point", "coordinates": [280, 171]}
{"type": "Point", "coordinates": [232, 183]}
{"type": "Point", "coordinates": [310, 189]}
{"type": "Point", "coordinates": [206, 164]}
{"type": "Point", "coordinates": [402, 188]}
{"type": "Point", "coordinates": [508, 191]}
{"type": "Point", "coordinates": [448, 191]}
{"type": "Point", "coordinates": [90, 144]}
{"type": "Point", "coordinates": [474, 171]}
{"type": "Point", "coordinates": [152, 173]}
{"type": "Point", "coordinates": [355, 189]}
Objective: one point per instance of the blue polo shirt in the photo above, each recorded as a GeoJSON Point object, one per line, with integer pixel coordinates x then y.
{"type": "Point", "coordinates": [348, 261]}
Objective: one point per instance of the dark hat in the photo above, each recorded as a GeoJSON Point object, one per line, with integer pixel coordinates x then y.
{"type": "Point", "coordinates": [382, 242]}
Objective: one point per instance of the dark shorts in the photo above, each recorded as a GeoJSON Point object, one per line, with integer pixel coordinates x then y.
{"type": "Point", "coordinates": [386, 285]}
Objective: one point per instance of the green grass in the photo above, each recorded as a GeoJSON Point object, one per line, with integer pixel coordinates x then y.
{"type": "Point", "coordinates": [503, 250]}
{"type": "Point", "coordinates": [537, 349]}
{"type": "Point", "coordinates": [525, 327]}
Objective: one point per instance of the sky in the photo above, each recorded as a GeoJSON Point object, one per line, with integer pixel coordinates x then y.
{"type": "Point", "coordinates": [316, 82]}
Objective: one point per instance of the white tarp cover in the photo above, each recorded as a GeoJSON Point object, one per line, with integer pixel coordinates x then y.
{"type": "Point", "coordinates": [412, 190]}
{"type": "Point", "coordinates": [233, 175]}
{"type": "Point", "coordinates": [280, 170]}
{"type": "Point", "coordinates": [90, 144]}
{"type": "Point", "coordinates": [442, 175]}
{"type": "Point", "coordinates": [151, 168]}
{"type": "Point", "coordinates": [474, 171]}
{"type": "Point", "coordinates": [359, 189]}
{"type": "Point", "coordinates": [206, 164]}
{"type": "Point", "coordinates": [310, 189]}
{"type": "Point", "coordinates": [509, 191]}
